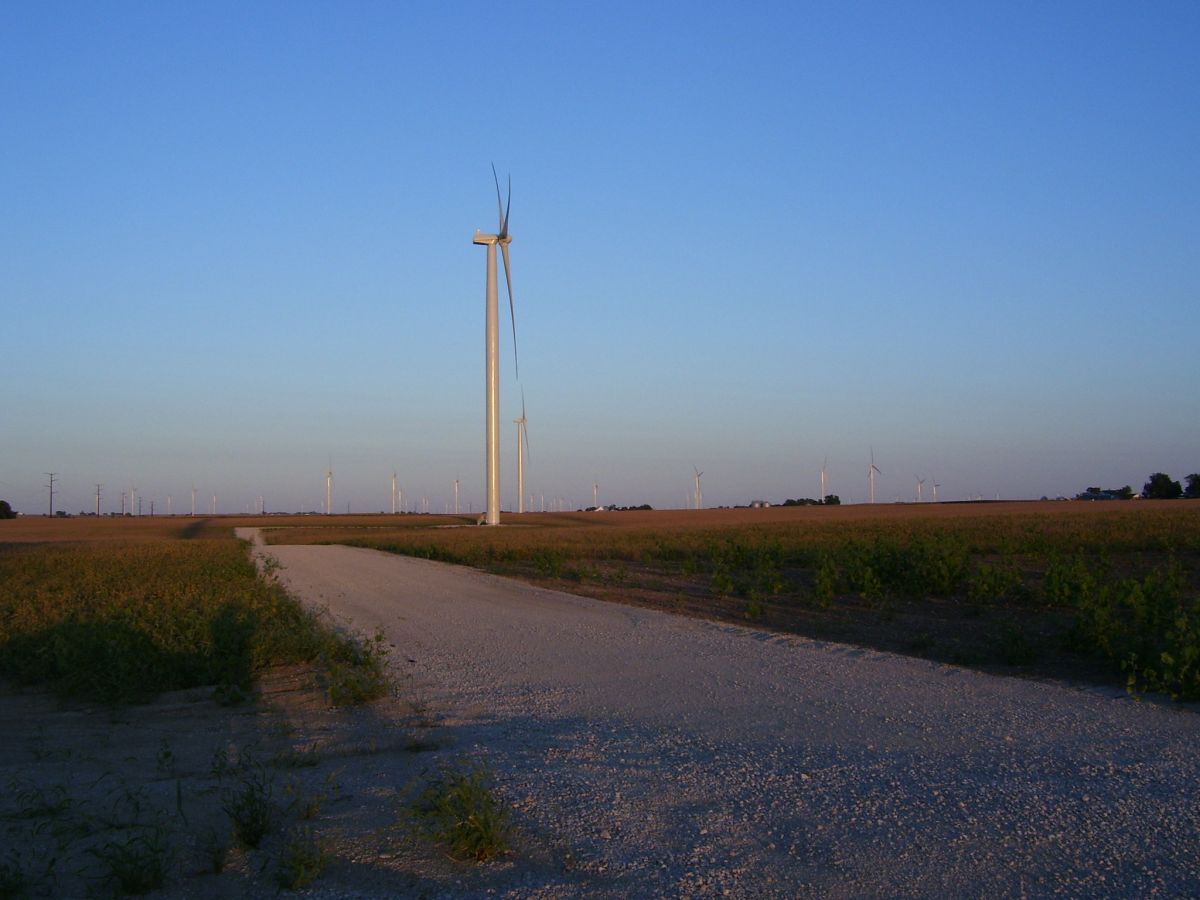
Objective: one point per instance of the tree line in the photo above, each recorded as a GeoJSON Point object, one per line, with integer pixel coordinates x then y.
{"type": "Point", "coordinates": [1160, 487]}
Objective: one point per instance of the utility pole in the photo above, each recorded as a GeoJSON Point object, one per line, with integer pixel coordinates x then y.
{"type": "Point", "coordinates": [152, 509]}
{"type": "Point", "coordinates": [52, 476]}
{"type": "Point", "coordinates": [140, 506]}
{"type": "Point", "coordinates": [98, 499]}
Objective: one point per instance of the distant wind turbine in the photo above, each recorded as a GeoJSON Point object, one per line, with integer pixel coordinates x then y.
{"type": "Point", "coordinates": [920, 485]}
{"type": "Point", "coordinates": [492, 347]}
{"type": "Point", "coordinates": [871, 473]}
{"type": "Point", "coordinates": [699, 493]}
{"type": "Point", "coordinates": [329, 490]}
{"type": "Point", "coordinates": [824, 464]}
{"type": "Point", "coordinates": [935, 487]}
{"type": "Point", "coordinates": [522, 449]}
{"type": "Point", "coordinates": [595, 496]}
{"type": "Point", "coordinates": [393, 493]}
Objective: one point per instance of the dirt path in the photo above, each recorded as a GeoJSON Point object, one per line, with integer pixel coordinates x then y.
{"type": "Point", "coordinates": [661, 755]}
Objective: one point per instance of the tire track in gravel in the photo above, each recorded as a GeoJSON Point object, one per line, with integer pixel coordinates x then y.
{"type": "Point", "coordinates": [669, 756]}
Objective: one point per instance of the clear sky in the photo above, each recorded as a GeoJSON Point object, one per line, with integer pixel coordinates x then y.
{"type": "Point", "coordinates": [235, 247]}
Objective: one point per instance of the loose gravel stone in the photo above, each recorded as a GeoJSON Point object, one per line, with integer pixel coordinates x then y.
{"type": "Point", "coordinates": [662, 755]}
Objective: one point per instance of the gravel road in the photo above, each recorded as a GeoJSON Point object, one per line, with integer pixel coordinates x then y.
{"type": "Point", "coordinates": [665, 756]}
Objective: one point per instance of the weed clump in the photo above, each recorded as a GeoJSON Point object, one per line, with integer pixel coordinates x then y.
{"type": "Point", "coordinates": [138, 863]}
{"type": "Point", "coordinates": [302, 862]}
{"type": "Point", "coordinates": [249, 806]}
{"type": "Point", "coordinates": [356, 670]}
{"type": "Point", "coordinates": [459, 811]}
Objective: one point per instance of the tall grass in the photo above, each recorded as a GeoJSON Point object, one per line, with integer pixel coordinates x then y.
{"type": "Point", "coordinates": [120, 622]}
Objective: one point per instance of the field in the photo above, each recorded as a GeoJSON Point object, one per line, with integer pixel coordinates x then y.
{"type": "Point", "coordinates": [120, 609]}
{"type": "Point", "coordinates": [1103, 593]}
{"type": "Point", "coordinates": [201, 790]}
{"type": "Point", "coordinates": [171, 718]}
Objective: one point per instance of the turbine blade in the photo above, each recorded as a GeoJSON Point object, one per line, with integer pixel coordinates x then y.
{"type": "Point", "coordinates": [507, 207]}
{"type": "Point", "coordinates": [511, 312]}
{"type": "Point", "coordinates": [499, 203]}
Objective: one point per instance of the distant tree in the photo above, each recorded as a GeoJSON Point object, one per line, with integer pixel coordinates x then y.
{"type": "Point", "coordinates": [832, 500]}
{"type": "Point", "coordinates": [1193, 486]}
{"type": "Point", "coordinates": [6, 511]}
{"type": "Point", "coordinates": [1125, 493]}
{"type": "Point", "coordinates": [1161, 487]}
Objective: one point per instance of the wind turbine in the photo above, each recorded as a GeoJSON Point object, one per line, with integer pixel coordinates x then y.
{"type": "Point", "coordinates": [935, 487]}
{"type": "Point", "coordinates": [329, 490]}
{"type": "Point", "coordinates": [920, 485]}
{"type": "Point", "coordinates": [522, 449]}
{"type": "Point", "coordinates": [393, 493]}
{"type": "Point", "coordinates": [871, 473]}
{"type": "Point", "coordinates": [595, 496]}
{"type": "Point", "coordinates": [492, 347]}
{"type": "Point", "coordinates": [824, 493]}
{"type": "Point", "coordinates": [699, 493]}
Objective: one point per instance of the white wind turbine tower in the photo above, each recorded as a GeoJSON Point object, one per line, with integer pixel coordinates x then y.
{"type": "Point", "coordinates": [393, 493]}
{"type": "Point", "coordinates": [935, 487]}
{"type": "Point", "coordinates": [871, 473]}
{"type": "Point", "coordinates": [595, 496]}
{"type": "Point", "coordinates": [329, 490]}
{"type": "Point", "coordinates": [920, 486]}
{"type": "Point", "coordinates": [492, 348]}
{"type": "Point", "coordinates": [456, 496]}
{"type": "Point", "coordinates": [699, 493]}
{"type": "Point", "coordinates": [193, 501]}
{"type": "Point", "coordinates": [824, 493]}
{"type": "Point", "coordinates": [522, 448]}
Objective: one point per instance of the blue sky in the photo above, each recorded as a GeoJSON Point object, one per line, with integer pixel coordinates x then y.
{"type": "Point", "coordinates": [235, 245]}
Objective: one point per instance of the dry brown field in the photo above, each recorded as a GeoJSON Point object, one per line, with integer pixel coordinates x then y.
{"type": "Point", "coordinates": [764, 566]}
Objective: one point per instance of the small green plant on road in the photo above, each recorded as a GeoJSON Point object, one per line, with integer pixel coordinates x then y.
{"type": "Point", "coordinates": [458, 810]}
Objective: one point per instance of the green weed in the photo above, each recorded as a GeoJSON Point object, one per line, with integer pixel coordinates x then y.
{"type": "Point", "coordinates": [356, 671]}
{"type": "Point", "coordinates": [302, 862]}
{"type": "Point", "coordinates": [137, 863]}
{"type": "Point", "coordinates": [459, 810]}
{"type": "Point", "coordinates": [249, 806]}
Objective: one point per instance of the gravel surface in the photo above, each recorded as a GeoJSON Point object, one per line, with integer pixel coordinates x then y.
{"type": "Point", "coordinates": [665, 756]}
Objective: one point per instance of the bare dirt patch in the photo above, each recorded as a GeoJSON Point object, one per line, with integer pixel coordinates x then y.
{"type": "Point", "coordinates": [94, 795]}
